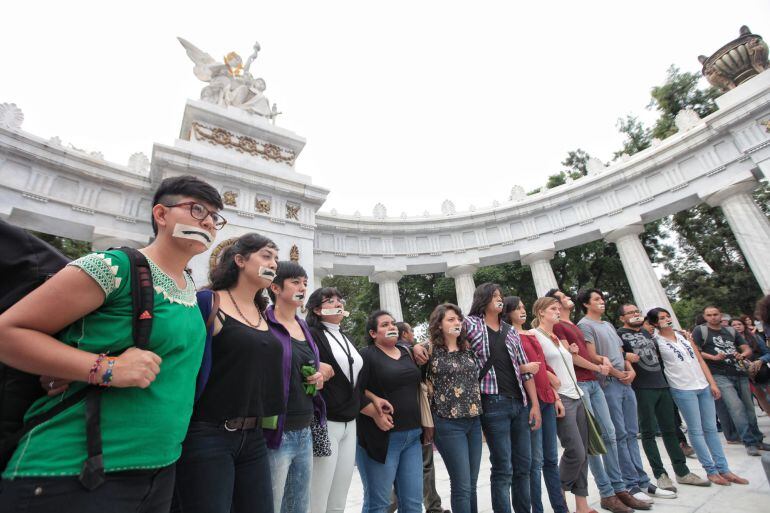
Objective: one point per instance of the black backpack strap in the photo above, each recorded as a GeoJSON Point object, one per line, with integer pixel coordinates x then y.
{"type": "Point", "coordinates": [143, 300]}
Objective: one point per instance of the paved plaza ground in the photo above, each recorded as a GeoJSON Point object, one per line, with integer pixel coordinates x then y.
{"type": "Point", "coordinates": [753, 498]}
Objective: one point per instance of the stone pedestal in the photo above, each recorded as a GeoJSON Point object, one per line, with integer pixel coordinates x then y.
{"type": "Point", "coordinates": [750, 227]}
{"type": "Point", "coordinates": [464, 285]}
{"type": "Point", "coordinates": [645, 285]}
{"type": "Point", "coordinates": [389, 297]}
{"type": "Point", "coordinates": [540, 265]}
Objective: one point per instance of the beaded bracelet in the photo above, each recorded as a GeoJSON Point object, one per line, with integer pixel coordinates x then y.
{"type": "Point", "coordinates": [95, 368]}
{"type": "Point", "coordinates": [107, 376]}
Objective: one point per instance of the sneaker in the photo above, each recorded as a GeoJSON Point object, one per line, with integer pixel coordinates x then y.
{"type": "Point", "coordinates": [665, 482]}
{"type": "Point", "coordinates": [732, 478]}
{"type": "Point", "coordinates": [639, 495]}
{"type": "Point", "coordinates": [630, 501]}
{"type": "Point", "coordinates": [613, 504]}
{"type": "Point", "coordinates": [752, 450]}
{"type": "Point", "coordinates": [692, 479]}
{"type": "Point", "coordinates": [661, 493]}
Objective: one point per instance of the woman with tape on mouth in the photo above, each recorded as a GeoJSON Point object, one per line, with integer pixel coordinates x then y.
{"type": "Point", "coordinates": [224, 465]}
{"type": "Point", "coordinates": [389, 451]}
{"type": "Point", "coordinates": [332, 473]}
{"type": "Point", "coordinates": [290, 442]}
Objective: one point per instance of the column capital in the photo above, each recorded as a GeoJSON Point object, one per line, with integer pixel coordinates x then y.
{"type": "Point", "coordinates": [632, 229]}
{"type": "Point", "coordinates": [546, 255]}
{"type": "Point", "coordinates": [385, 276]}
{"type": "Point", "coordinates": [458, 270]}
{"type": "Point", "coordinates": [716, 199]}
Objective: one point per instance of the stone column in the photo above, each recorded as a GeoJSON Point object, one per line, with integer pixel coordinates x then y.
{"type": "Point", "coordinates": [750, 227]}
{"type": "Point", "coordinates": [464, 285]}
{"type": "Point", "coordinates": [389, 298]}
{"type": "Point", "coordinates": [540, 265]}
{"type": "Point", "coordinates": [645, 285]}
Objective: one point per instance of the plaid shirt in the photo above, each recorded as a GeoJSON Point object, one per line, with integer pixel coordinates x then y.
{"type": "Point", "coordinates": [479, 340]}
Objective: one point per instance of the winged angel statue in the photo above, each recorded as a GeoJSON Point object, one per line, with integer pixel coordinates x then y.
{"type": "Point", "coordinates": [230, 82]}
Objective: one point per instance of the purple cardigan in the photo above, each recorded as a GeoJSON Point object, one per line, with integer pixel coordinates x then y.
{"type": "Point", "coordinates": [273, 436]}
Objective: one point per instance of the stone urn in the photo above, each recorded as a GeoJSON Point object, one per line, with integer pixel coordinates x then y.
{"type": "Point", "coordinates": [736, 62]}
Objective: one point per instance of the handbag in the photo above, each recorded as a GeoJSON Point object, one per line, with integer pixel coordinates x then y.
{"type": "Point", "coordinates": [322, 446]}
{"type": "Point", "coordinates": [426, 416]}
{"type": "Point", "coordinates": [596, 445]}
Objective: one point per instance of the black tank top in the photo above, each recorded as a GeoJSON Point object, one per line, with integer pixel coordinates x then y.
{"type": "Point", "coordinates": [246, 378]}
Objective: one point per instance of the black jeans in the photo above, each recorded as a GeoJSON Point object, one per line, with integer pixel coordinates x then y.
{"type": "Point", "coordinates": [223, 471]}
{"type": "Point", "coordinates": [122, 492]}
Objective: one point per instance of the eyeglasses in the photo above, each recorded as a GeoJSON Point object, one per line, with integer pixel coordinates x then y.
{"type": "Point", "coordinates": [629, 312]}
{"type": "Point", "coordinates": [200, 213]}
{"type": "Point", "coordinates": [330, 300]}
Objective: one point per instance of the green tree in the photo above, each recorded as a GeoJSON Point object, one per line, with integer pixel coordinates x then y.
{"type": "Point", "coordinates": [679, 91]}
{"type": "Point", "coordinates": [637, 138]}
{"type": "Point", "coordinates": [71, 248]}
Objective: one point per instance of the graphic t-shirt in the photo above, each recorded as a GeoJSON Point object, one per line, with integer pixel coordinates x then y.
{"type": "Point", "coordinates": [141, 428]}
{"type": "Point", "coordinates": [649, 374]}
{"type": "Point", "coordinates": [721, 342]}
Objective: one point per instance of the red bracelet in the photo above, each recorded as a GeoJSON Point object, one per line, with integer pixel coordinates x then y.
{"type": "Point", "coordinates": [92, 380]}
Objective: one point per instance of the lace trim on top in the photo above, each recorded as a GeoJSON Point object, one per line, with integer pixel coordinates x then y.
{"type": "Point", "coordinates": [168, 288]}
{"type": "Point", "coordinates": [99, 267]}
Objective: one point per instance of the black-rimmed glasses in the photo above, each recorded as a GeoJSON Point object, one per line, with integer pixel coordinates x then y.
{"type": "Point", "coordinates": [200, 213]}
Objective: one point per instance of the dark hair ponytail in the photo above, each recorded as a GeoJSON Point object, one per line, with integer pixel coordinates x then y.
{"type": "Point", "coordinates": [224, 274]}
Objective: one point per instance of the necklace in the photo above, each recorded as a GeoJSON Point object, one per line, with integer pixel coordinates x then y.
{"type": "Point", "coordinates": [345, 349]}
{"type": "Point", "coordinates": [255, 326]}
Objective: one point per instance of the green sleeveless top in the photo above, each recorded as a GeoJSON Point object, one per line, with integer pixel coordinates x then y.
{"type": "Point", "coordinates": [141, 428]}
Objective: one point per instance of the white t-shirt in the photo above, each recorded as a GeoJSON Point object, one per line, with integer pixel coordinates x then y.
{"type": "Point", "coordinates": [341, 347]}
{"type": "Point", "coordinates": [681, 366]}
{"type": "Point", "coordinates": [555, 357]}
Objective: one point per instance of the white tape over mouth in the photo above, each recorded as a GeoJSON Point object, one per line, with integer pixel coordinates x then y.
{"type": "Point", "coordinates": [499, 305]}
{"type": "Point", "coordinates": [267, 273]}
{"type": "Point", "coordinates": [186, 231]}
{"type": "Point", "coordinates": [298, 296]}
{"type": "Point", "coordinates": [666, 324]}
{"type": "Point", "coordinates": [638, 318]}
{"type": "Point", "coordinates": [391, 334]}
{"type": "Point", "coordinates": [456, 331]}
{"type": "Point", "coordinates": [570, 303]}
{"type": "Point", "coordinates": [334, 311]}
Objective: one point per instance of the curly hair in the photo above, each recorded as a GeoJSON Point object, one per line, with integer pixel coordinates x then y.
{"type": "Point", "coordinates": [436, 335]}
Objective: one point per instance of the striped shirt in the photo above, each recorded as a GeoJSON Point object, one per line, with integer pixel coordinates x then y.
{"type": "Point", "coordinates": [479, 341]}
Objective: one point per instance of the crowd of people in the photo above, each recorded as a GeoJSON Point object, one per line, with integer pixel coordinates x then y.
{"type": "Point", "coordinates": [239, 404]}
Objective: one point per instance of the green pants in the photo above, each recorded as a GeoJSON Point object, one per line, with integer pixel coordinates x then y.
{"type": "Point", "coordinates": [656, 404]}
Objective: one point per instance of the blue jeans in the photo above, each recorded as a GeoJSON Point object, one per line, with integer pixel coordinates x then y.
{"type": "Point", "coordinates": [736, 396]}
{"type": "Point", "coordinates": [291, 466]}
{"type": "Point", "coordinates": [621, 401]}
{"type": "Point", "coordinates": [402, 469]}
{"type": "Point", "coordinates": [222, 471]}
{"type": "Point", "coordinates": [545, 461]}
{"type": "Point", "coordinates": [506, 426]}
{"type": "Point", "coordinates": [605, 468]}
{"type": "Point", "coordinates": [697, 409]}
{"type": "Point", "coordinates": [459, 443]}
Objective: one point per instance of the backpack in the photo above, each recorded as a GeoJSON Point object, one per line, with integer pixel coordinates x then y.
{"type": "Point", "coordinates": [704, 331]}
{"type": "Point", "coordinates": [32, 261]}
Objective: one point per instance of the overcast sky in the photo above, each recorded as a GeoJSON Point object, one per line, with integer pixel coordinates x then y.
{"type": "Point", "coordinates": [405, 103]}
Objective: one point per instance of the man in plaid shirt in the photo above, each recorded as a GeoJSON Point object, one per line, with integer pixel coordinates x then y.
{"type": "Point", "coordinates": [508, 397]}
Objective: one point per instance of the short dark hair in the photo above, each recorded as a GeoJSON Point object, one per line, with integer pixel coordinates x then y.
{"type": "Point", "coordinates": [552, 293]}
{"type": "Point", "coordinates": [185, 185]}
{"type": "Point", "coordinates": [510, 303]}
{"type": "Point", "coordinates": [403, 327]}
{"type": "Point", "coordinates": [286, 271]}
{"type": "Point", "coordinates": [653, 314]}
{"type": "Point", "coordinates": [584, 297]}
{"type": "Point", "coordinates": [315, 300]}
{"type": "Point", "coordinates": [371, 323]}
{"type": "Point", "coordinates": [712, 306]}
{"type": "Point", "coordinates": [482, 296]}
{"type": "Point", "coordinates": [622, 309]}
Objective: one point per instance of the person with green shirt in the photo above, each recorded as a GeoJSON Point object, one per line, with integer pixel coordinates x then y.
{"type": "Point", "coordinates": [78, 327]}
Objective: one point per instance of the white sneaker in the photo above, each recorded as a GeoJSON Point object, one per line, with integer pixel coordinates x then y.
{"type": "Point", "coordinates": [641, 496]}
{"type": "Point", "coordinates": [660, 493]}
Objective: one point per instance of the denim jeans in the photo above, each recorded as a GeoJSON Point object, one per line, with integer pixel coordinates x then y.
{"type": "Point", "coordinates": [697, 408]}
{"type": "Point", "coordinates": [291, 467]}
{"type": "Point", "coordinates": [621, 401]}
{"type": "Point", "coordinates": [223, 471]}
{"type": "Point", "coordinates": [729, 431]}
{"type": "Point", "coordinates": [402, 469]}
{"type": "Point", "coordinates": [122, 492]}
{"type": "Point", "coordinates": [736, 396]}
{"type": "Point", "coordinates": [459, 443]}
{"type": "Point", "coordinates": [605, 468]}
{"type": "Point", "coordinates": [506, 427]}
{"type": "Point", "coordinates": [545, 461]}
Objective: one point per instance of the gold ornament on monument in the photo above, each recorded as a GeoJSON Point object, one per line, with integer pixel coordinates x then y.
{"type": "Point", "coordinates": [216, 253]}
{"type": "Point", "coordinates": [292, 212]}
{"type": "Point", "coordinates": [262, 206]}
{"type": "Point", "coordinates": [294, 253]}
{"type": "Point", "coordinates": [229, 198]}
{"type": "Point", "coordinates": [736, 62]}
